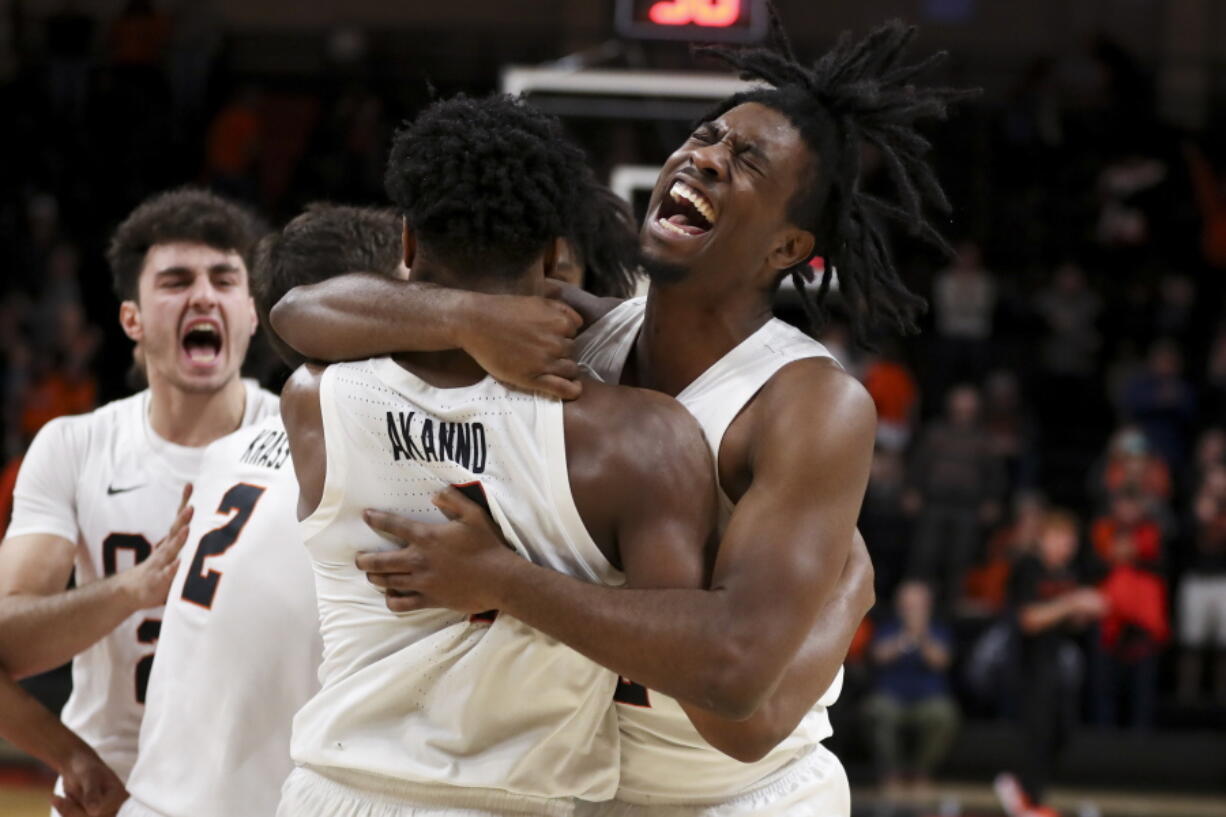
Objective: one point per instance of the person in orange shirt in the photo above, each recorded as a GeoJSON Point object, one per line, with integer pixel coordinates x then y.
{"type": "Point", "coordinates": [895, 394]}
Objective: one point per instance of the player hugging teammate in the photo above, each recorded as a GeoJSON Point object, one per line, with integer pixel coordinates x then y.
{"type": "Point", "coordinates": [634, 602]}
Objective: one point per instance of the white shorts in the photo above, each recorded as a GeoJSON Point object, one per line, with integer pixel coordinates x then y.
{"type": "Point", "coordinates": [813, 785]}
{"type": "Point", "coordinates": [308, 793]}
{"type": "Point", "coordinates": [1202, 610]}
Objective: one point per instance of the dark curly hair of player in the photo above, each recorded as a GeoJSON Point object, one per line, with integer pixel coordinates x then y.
{"type": "Point", "coordinates": [606, 239]}
{"type": "Point", "coordinates": [485, 183]}
{"type": "Point", "coordinates": [324, 241]}
{"type": "Point", "coordinates": [186, 214]}
{"type": "Point", "coordinates": [855, 95]}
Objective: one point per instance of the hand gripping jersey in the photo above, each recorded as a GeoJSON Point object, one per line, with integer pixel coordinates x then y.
{"type": "Point", "coordinates": [480, 711]}
{"type": "Point", "coordinates": [106, 481]}
{"type": "Point", "coordinates": [240, 646]}
{"type": "Point", "coordinates": [664, 759]}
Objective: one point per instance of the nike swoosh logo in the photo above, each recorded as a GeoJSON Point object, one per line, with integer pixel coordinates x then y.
{"type": "Point", "coordinates": [111, 490]}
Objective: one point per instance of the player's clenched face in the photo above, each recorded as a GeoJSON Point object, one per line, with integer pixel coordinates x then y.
{"type": "Point", "coordinates": [721, 202]}
{"type": "Point", "coordinates": [194, 316]}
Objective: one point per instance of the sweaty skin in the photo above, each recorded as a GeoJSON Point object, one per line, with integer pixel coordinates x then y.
{"type": "Point", "coordinates": [776, 616]}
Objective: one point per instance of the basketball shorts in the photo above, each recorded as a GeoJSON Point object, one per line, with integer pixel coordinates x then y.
{"type": "Point", "coordinates": [813, 785]}
{"type": "Point", "coordinates": [308, 793]}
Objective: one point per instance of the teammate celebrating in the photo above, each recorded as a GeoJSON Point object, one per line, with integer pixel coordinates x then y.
{"type": "Point", "coordinates": [767, 181]}
{"type": "Point", "coordinates": [99, 489]}
{"type": "Point", "coordinates": [238, 654]}
{"type": "Point", "coordinates": [450, 713]}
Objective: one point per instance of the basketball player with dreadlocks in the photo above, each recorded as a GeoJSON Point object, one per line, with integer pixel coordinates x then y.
{"type": "Point", "coordinates": [768, 180]}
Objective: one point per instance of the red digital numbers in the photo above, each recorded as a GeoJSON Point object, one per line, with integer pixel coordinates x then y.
{"type": "Point", "coordinates": [706, 13]}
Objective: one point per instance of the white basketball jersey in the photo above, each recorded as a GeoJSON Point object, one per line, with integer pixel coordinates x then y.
{"type": "Point", "coordinates": [240, 648]}
{"type": "Point", "coordinates": [664, 759]}
{"type": "Point", "coordinates": [444, 703]}
{"type": "Point", "coordinates": [108, 482]}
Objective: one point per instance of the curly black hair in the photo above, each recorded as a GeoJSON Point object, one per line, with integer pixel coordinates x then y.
{"type": "Point", "coordinates": [857, 94]}
{"type": "Point", "coordinates": [606, 239]}
{"type": "Point", "coordinates": [186, 214]}
{"type": "Point", "coordinates": [485, 183]}
{"type": "Point", "coordinates": [324, 241]}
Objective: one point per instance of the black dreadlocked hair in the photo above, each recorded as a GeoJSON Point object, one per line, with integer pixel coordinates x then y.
{"type": "Point", "coordinates": [486, 183]}
{"type": "Point", "coordinates": [857, 94]}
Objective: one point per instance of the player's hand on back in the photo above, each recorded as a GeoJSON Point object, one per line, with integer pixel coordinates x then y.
{"type": "Point", "coordinates": [91, 789]}
{"type": "Point", "coordinates": [456, 564]}
{"type": "Point", "coordinates": [527, 342]}
{"type": "Point", "coordinates": [148, 583]}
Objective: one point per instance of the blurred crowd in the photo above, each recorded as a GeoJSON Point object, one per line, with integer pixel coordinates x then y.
{"type": "Point", "coordinates": [1055, 435]}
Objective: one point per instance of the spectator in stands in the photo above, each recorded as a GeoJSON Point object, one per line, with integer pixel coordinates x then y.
{"type": "Point", "coordinates": [1010, 428]}
{"type": "Point", "coordinates": [1201, 603]}
{"type": "Point", "coordinates": [883, 522]}
{"type": "Point", "coordinates": [987, 584]}
{"type": "Point", "coordinates": [232, 146]}
{"type": "Point", "coordinates": [1136, 626]}
{"type": "Point", "coordinates": [1162, 402]}
{"type": "Point", "coordinates": [1127, 535]}
{"type": "Point", "coordinates": [964, 301]}
{"type": "Point", "coordinates": [895, 394]}
{"type": "Point", "coordinates": [1069, 309]}
{"type": "Point", "coordinates": [955, 483]}
{"type": "Point", "coordinates": [1130, 465]}
{"type": "Point", "coordinates": [1051, 605]}
{"type": "Point", "coordinates": [912, 654]}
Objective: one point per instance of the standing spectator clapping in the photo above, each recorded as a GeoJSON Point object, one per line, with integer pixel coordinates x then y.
{"type": "Point", "coordinates": [912, 654]}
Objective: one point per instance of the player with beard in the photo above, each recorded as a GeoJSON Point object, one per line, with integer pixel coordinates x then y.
{"type": "Point", "coordinates": [96, 491]}
{"type": "Point", "coordinates": [766, 182]}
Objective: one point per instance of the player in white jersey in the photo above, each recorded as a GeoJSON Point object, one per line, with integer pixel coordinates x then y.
{"type": "Point", "coordinates": [95, 492]}
{"type": "Point", "coordinates": [472, 712]}
{"type": "Point", "coordinates": [767, 181]}
{"type": "Point", "coordinates": [239, 654]}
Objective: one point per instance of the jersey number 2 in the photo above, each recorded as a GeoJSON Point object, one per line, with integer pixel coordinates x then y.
{"type": "Point", "coordinates": [201, 585]}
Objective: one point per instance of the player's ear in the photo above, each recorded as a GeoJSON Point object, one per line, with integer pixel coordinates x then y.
{"type": "Point", "coordinates": [410, 245]}
{"type": "Point", "coordinates": [255, 316]}
{"type": "Point", "coordinates": [129, 320]}
{"type": "Point", "coordinates": [792, 246]}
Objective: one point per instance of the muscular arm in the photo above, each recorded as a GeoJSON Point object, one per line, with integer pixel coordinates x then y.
{"type": "Point", "coordinates": [724, 649]}
{"type": "Point", "coordinates": [523, 341]}
{"type": "Point", "coordinates": [42, 625]}
{"type": "Point", "coordinates": [92, 787]}
{"type": "Point", "coordinates": [809, 675]}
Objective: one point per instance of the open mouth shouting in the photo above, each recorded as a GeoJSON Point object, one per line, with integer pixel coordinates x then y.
{"type": "Point", "coordinates": [685, 212]}
{"type": "Point", "coordinates": [202, 342]}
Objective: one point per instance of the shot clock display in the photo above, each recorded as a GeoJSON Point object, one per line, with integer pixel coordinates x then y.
{"type": "Point", "coordinates": [739, 21]}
